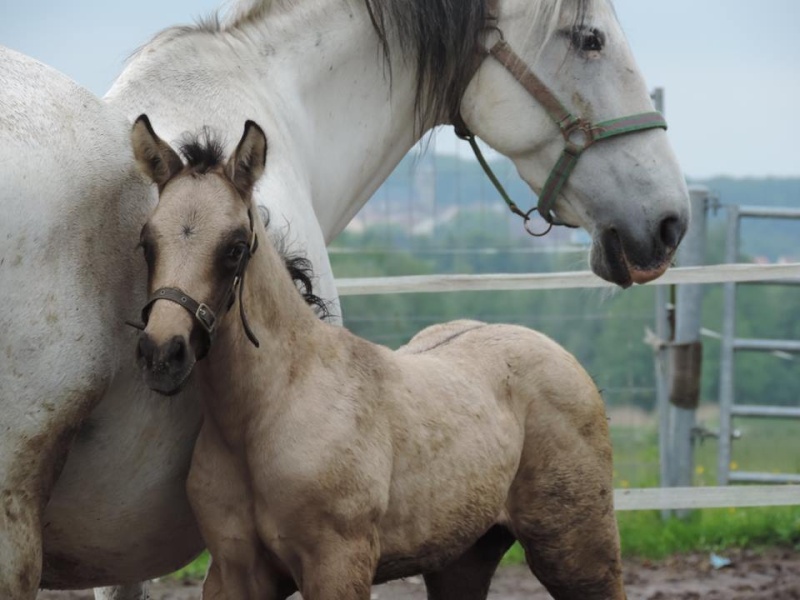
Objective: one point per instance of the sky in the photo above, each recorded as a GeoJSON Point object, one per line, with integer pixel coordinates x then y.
{"type": "Point", "coordinates": [730, 68]}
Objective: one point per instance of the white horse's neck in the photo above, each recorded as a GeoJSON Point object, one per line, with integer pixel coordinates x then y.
{"type": "Point", "coordinates": [313, 78]}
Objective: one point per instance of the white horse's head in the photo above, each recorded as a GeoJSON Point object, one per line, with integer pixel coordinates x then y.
{"type": "Point", "coordinates": [627, 191]}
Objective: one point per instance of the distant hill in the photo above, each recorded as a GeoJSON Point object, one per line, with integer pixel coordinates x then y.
{"type": "Point", "coordinates": [768, 238]}
{"type": "Point", "coordinates": [431, 188]}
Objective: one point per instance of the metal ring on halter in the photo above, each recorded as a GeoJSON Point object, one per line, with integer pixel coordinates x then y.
{"type": "Point", "coordinates": [528, 220]}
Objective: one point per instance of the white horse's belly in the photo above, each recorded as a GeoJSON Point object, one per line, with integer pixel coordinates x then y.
{"type": "Point", "coordinates": [119, 511]}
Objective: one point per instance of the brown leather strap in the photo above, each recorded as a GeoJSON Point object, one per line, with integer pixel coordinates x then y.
{"type": "Point", "coordinates": [204, 315]}
{"type": "Point", "coordinates": [534, 86]}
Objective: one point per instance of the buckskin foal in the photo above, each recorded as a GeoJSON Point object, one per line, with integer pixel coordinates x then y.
{"type": "Point", "coordinates": [326, 463]}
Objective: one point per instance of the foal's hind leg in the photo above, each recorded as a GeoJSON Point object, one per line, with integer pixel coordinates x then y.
{"type": "Point", "coordinates": [562, 512]}
{"type": "Point", "coordinates": [469, 577]}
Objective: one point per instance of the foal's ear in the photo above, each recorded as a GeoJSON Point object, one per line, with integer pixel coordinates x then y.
{"type": "Point", "coordinates": [153, 155]}
{"type": "Point", "coordinates": [248, 160]}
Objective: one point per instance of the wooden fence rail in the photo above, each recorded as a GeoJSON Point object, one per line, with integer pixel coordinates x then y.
{"type": "Point", "coordinates": [729, 273]}
{"type": "Point", "coordinates": [706, 497]}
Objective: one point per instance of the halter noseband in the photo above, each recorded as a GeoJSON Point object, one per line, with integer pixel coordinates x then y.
{"type": "Point", "coordinates": [202, 313]}
{"type": "Point", "coordinates": [578, 133]}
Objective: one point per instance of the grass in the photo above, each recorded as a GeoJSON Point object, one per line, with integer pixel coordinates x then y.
{"type": "Point", "coordinates": [645, 534]}
{"type": "Point", "coordinates": [194, 570]}
{"type": "Point", "coordinates": [765, 445]}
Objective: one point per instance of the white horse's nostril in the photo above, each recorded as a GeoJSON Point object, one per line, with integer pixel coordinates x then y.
{"type": "Point", "coordinates": [671, 232]}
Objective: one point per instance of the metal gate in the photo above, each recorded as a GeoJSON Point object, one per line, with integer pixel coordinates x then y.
{"type": "Point", "coordinates": [731, 345]}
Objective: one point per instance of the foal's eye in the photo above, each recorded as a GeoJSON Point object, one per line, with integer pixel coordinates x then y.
{"type": "Point", "coordinates": [235, 252]}
{"type": "Point", "coordinates": [587, 39]}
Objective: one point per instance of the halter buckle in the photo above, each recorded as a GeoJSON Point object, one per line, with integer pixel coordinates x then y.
{"type": "Point", "coordinates": [206, 317]}
{"type": "Point", "coordinates": [579, 135]}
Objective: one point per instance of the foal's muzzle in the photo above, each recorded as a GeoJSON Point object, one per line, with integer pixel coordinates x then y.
{"type": "Point", "coordinates": [166, 366]}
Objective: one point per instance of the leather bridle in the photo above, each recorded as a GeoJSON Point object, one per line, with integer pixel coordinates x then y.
{"type": "Point", "coordinates": [579, 133]}
{"type": "Point", "coordinates": [206, 317]}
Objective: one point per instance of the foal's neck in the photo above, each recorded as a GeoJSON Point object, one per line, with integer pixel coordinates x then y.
{"type": "Point", "coordinates": [247, 380]}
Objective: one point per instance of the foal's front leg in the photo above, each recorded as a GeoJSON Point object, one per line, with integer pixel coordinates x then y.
{"type": "Point", "coordinates": [222, 503]}
{"type": "Point", "coordinates": [341, 567]}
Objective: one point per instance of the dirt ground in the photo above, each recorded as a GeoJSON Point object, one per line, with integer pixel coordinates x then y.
{"type": "Point", "coordinates": [771, 575]}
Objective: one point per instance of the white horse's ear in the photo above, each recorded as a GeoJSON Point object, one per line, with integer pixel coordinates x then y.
{"type": "Point", "coordinates": [248, 160]}
{"type": "Point", "coordinates": [153, 155]}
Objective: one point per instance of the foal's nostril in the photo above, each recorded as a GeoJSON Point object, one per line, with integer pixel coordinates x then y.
{"type": "Point", "coordinates": [671, 232]}
{"type": "Point", "coordinates": [176, 352]}
{"type": "Point", "coordinates": [145, 350]}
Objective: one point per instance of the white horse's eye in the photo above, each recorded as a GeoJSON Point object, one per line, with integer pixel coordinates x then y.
{"type": "Point", "coordinates": [587, 39]}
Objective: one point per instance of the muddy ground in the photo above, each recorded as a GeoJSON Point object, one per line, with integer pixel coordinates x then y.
{"type": "Point", "coordinates": [770, 575]}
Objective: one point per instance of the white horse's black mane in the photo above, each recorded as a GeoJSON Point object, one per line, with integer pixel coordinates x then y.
{"type": "Point", "coordinates": [445, 37]}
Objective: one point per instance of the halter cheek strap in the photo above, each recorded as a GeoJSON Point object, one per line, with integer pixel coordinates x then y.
{"type": "Point", "coordinates": [578, 133]}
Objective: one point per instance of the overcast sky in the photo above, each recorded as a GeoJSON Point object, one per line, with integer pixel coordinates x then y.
{"type": "Point", "coordinates": [730, 68]}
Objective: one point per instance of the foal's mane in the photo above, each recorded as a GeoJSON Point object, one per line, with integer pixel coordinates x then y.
{"type": "Point", "coordinates": [202, 151]}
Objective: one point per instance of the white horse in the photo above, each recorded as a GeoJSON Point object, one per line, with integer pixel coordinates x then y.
{"type": "Point", "coordinates": [343, 88]}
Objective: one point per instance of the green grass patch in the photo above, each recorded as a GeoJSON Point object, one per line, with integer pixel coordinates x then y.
{"type": "Point", "coordinates": [646, 534]}
{"type": "Point", "coordinates": [194, 570]}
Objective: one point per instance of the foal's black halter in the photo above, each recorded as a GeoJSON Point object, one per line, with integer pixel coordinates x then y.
{"type": "Point", "coordinates": [205, 316]}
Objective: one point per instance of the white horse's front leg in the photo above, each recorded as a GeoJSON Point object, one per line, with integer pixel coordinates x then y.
{"type": "Point", "coordinates": [135, 591]}
{"type": "Point", "coordinates": [31, 454]}
{"type": "Point", "coordinates": [20, 543]}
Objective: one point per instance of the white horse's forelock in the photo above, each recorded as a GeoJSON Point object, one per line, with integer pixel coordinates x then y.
{"type": "Point", "coordinates": [548, 16]}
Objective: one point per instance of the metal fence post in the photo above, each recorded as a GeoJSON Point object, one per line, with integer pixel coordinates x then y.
{"type": "Point", "coordinates": [664, 333]}
{"type": "Point", "coordinates": [726, 357]}
{"type": "Point", "coordinates": [684, 388]}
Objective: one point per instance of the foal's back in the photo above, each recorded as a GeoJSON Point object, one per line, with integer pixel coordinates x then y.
{"type": "Point", "coordinates": [543, 369]}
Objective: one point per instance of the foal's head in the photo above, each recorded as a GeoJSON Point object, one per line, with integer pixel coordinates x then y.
{"type": "Point", "coordinates": [196, 243]}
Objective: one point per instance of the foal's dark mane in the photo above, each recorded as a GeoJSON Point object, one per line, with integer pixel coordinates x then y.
{"type": "Point", "coordinates": [202, 151]}
{"type": "Point", "coordinates": [205, 151]}
{"type": "Point", "coordinates": [300, 268]}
